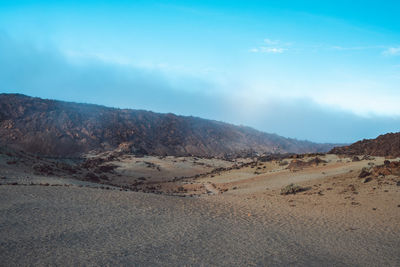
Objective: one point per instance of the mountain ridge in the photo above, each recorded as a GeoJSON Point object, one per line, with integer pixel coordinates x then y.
{"type": "Point", "coordinates": [60, 128]}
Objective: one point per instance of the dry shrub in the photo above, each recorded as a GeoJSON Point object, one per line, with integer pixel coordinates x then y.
{"type": "Point", "coordinates": [291, 189]}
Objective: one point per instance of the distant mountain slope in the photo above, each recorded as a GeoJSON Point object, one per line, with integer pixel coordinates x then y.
{"type": "Point", "coordinates": [383, 145]}
{"type": "Point", "coordinates": [58, 128]}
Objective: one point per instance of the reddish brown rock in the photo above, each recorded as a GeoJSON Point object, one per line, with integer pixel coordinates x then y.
{"type": "Point", "coordinates": [387, 145]}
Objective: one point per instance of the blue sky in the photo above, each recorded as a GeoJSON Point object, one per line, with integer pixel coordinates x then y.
{"type": "Point", "coordinates": [326, 71]}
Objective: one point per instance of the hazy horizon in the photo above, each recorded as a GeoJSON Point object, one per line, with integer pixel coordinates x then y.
{"type": "Point", "coordinates": [323, 72]}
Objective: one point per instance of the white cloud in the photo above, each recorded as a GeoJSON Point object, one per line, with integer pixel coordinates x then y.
{"type": "Point", "coordinates": [271, 42]}
{"type": "Point", "coordinates": [264, 49]}
{"type": "Point", "coordinates": [341, 48]}
{"type": "Point", "coordinates": [365, 105]}
{"type": "Point", "coordinates": [273, 50]}
{"type": "Point", "coordinates": [392, 51]}
{"type": "Point", "coordinates": [338, 47]}
{"type": "Point", "coordinates": [365, 98]}
{"type": "Point", "coordinates": [362, 97]}
{"type": "Point", "coordinates": [271, 46]}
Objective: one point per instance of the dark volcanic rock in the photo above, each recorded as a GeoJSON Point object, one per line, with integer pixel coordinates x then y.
{"type": "Point", "coordinates": [383, 145]}
{"type": "Point", "coordinates": [90, 176]}
{"type": "Point", "coordinates": [298, 164]}
{"type": "Point", "coordinates": [364, 173]}
{"type": "Point", "coordinates": [56, 128]}
{"type": "Point", "coordinates": [105, 168]}
{"type": "Point", "coordinates": [41, 168]}
{"type": "Point", "coordinates": [316, 161]}
{"type": "Point", "coordinates": [388, 168]}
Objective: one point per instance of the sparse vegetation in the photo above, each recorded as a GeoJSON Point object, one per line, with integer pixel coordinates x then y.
{"type": "Point", "coordinates": [181, 189]}
{"type": "Point", "coordinates": [283, 163]}
{"type": "Point", "coordinates": [291, 189]}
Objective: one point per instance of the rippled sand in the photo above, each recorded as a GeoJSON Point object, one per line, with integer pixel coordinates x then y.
{"type": "Point", "coordinates": [73, 226]}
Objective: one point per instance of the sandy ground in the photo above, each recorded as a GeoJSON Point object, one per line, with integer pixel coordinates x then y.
{"type": "Point", "coordinates": [79, 226]}
{"type": "Point", "coordinates": [238, 218]}
{"type": "Point", "coordinates": [166, 168]}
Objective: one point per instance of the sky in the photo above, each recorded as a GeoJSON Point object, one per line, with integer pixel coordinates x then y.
{"type": "Point", "coordinates": [324, 71]}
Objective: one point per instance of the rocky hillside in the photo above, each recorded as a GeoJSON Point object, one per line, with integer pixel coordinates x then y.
{"type": "Point", "coordinates": [57, 128]}
{"type": "Point", "coordinates": [383, 145]}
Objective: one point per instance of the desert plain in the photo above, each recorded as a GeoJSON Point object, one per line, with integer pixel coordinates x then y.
{"type": "Point", "coordinates": [156, 211]}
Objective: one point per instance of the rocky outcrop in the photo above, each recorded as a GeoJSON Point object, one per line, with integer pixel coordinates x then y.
{"type": "Point", "coordinates": [388, 168]}
{"type": "Point", "coordinates": [297, 164]}
{"type": "Point", "coordinates": [387, 145]}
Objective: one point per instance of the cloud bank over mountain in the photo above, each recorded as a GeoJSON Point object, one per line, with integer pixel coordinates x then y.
{"type": "Point", "coordinates": [49, 73]}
